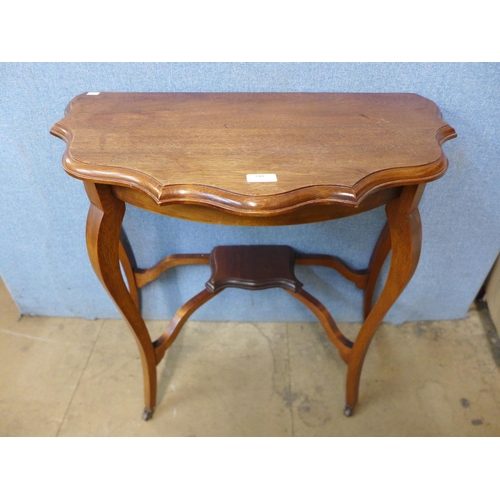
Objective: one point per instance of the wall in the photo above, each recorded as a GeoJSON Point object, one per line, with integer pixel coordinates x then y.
{"type": "Point", "coordinates": [42, 249]}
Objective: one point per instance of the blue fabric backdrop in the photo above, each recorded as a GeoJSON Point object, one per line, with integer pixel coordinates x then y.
{"type": "Point", "coordinates": [43, 256]}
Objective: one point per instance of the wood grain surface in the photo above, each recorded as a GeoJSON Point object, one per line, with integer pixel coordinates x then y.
{"type": "Point", "coordinates": [197, 148]}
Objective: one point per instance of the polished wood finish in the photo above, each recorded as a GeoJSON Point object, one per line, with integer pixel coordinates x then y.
{"type": "Point", "coordinates": [379, 255]}
{"type": "Point", "coordinates": [343, 345]}
{"type": "Point", "coordinates": [321, 211]}
{"type": "Point", "coordinates": [177, 322]}
{"type": "Point", "coordinates": [187, 156]}
{"type": "Point", "coordinates": [405, 228]}
{"type": "Point", "coordinates": [359, 278]}
{"type": "Point", "coordinates": [252, 267]}
{"type": "Point", "coordinates": [128, 269]}
{"type": "Point", "coordinates": [144, 276]}
{"type": "Point", "coordinates": [197, 148]}
{"type": "Point", "coordinates": [103, 244]}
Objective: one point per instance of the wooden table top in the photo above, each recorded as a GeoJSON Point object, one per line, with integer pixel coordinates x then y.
{"type": "Point", "coordinates": [333, 148]}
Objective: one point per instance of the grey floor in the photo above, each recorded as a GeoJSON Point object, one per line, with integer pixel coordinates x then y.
{"type": "Point", "coordinates": [71, 377]}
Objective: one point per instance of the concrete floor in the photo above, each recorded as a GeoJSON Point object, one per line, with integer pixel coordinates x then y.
{"type": "Point", "coordinates": [72, 377]}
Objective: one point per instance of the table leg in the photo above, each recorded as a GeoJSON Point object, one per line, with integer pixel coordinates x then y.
{"type": "Point", "coordinates": [105, 252]}
{"type": "Point", "coordinates": [405, 230]}
{"type": "Point", "coordinates": [380, 253]}
{"type": "Point", "coordinates": [128, 264]}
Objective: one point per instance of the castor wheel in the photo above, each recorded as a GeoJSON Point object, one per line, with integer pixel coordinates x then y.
{"type": "Point", "coordinates": [147, 414]}
{"type": "Point", "coordinates": [348, 410]}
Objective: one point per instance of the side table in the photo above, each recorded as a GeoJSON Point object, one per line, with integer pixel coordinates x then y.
{"type": "Point", "coordinates": [254, 159]}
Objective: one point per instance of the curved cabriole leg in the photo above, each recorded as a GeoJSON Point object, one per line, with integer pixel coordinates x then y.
{"type": "Point", "coordinates": [380, 253]}
{"type": "Point", "coordinates": [405, 228]}
{"type": "Point", "coordinates": [126, 259]}
{"type": "Point", "coordinates": [103, 244]}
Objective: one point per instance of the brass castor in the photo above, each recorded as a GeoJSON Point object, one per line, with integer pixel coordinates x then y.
{"type": "Point", "coordinates": [147, 414]}
{"type": "Point", "coordinates": [348, 410]}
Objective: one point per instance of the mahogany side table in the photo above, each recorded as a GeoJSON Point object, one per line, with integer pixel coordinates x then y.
{"type": "Point", "coordinates": [254, 159]}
